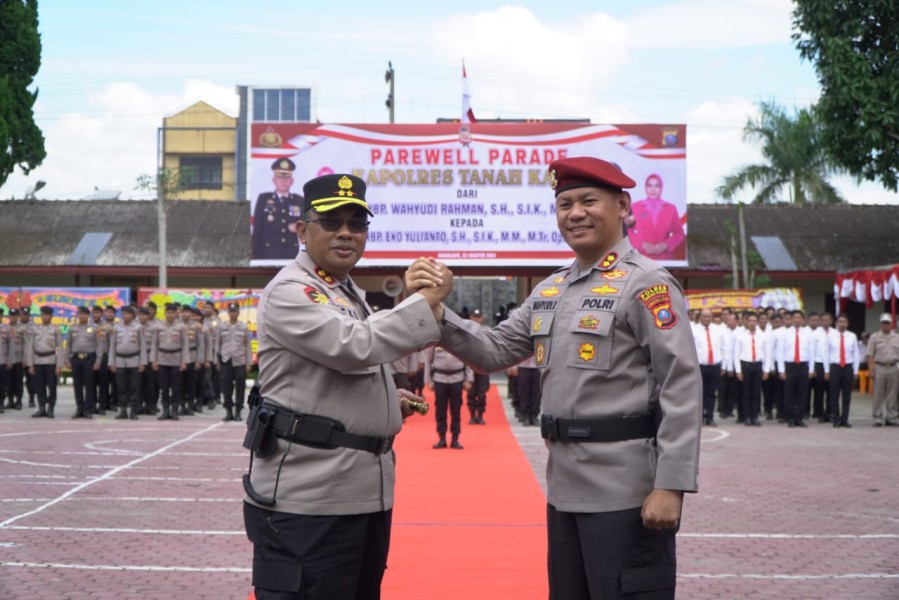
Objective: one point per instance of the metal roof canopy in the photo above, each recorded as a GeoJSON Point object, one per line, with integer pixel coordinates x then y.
{"type": "Point", "coordinates": [773, 252]}
{"type": "Point", "coordinates": [89, 248]}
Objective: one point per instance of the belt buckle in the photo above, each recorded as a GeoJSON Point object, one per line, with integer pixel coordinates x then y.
{"type": "Point", "coordinates": [82, 355]}
{"type": "Point", "coordinates": [386, 444]}
{"type": "Point", "coordinates": [549, 428]}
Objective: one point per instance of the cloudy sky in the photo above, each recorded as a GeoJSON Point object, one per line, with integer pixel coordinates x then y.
{"type": "Point", "coordinates": [112, 70]}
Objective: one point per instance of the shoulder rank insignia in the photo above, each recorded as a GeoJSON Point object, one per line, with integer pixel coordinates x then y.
{"type": "Point", "coordinates": [324, 275]}
{"type": "Point", "coordinates": [657, 300]}
{"type": "Point", "coordinates": [586, 352]}
{"type": "Point", "coordinates": [604, 289]}
{"type": "Point", "coordinates": [539, 352]}
{"type": "Point", "coordinates": [559, 279]}
{"type": "Point", "coordinates": [614, 274]}
{"type": "Point", "coordinates": [342, 301]}
{"type": "Point", "coordinates": [588, 322]}
{"type": "Point", "coordinates": [608, 261]}
{"type": "Point", "coordinates": [316, 296]}
{"type": "Point", "coordinates": [550, 292]}
{"type": "Point", "coordinates": [538, 323]}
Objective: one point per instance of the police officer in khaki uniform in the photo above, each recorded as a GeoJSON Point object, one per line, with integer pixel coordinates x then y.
{"type": "Point", "coordinates": [212, 320]}
{"type": "Point", "coordinates": [235, 359]}
{"type": "Point", "coordinates": [101, 380]}
{"type": "Point", "coordinates": [149, 386]}
{"type": "Point", "coordinates": [127, 356]}
{"type": "Point", "coordinates": [44, 359]}
{"type": "Point", "coordinates": [14, 357]}
{"type": "Point", "coordinates": [621, 392]}
{"type": "Point", "coordinates": [883, 369]}
{"type": "Point", "coordinates": [169, 355]}
{"type": "Point", "coordinates": [84, 347]}
{"type": "Point", "coordinates": [4, 350]}
{"type": "Point", "coordinates": [477, 393]}
{"type": "Point", "coordinates": [196, 350]}
{"type": "Point", "coordinates": [447, 376]}
{"type": "Point", "coordinates": [27, 322]}
{"type": "Point", "coordinates": [327, 479]}
{"type": "Point", "coordinates": [276, 214]}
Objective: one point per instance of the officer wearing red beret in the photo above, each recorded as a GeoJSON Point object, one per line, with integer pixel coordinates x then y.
{"type": "Point", "coordinates": [620, 395]}
{"type": "Point", "coordinates": [275, 214]}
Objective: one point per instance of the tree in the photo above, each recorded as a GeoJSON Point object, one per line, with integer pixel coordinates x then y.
{"type": "Point", "coordinates": [855, 49]}
{"type": "Point", "coordinates": [795, 160]}
{"type": "Point", "coordinates": [20, 57]}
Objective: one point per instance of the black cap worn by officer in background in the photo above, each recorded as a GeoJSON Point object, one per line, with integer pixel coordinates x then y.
{"type": "Point", "coordinates": [587, 171]}
{"type": "Point", "coordinates": [234, 306]}
{"type": "Point", "coordinates": [46, 310]}
{"type": "Point", "coordinates": [144, 310]}
{"type": "Point", "coordinates": [13, 312]}
{"type": "Point", "coordinates": [84, 310]}
{"type": "Point", "coordinates": [283, 167]}
{"type": "Point", "coordinates": [170, 306]}
{"type": "Point", "coordinates": [328, 192]}
{"type": "Point", "coordinates": [128, 308]}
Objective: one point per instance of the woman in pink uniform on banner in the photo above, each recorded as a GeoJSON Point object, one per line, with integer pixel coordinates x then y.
{"type": "Point", "coordinates": [657, 231]}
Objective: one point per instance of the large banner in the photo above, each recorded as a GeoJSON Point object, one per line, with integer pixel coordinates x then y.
{"type": "Point", "coordinates": [473, 194]}
{"type": "Point", "coordinates": [64, 301]}
{"type": "Point", "coordinates": [715, 300]}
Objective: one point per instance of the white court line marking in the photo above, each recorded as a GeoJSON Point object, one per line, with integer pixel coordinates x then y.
{"type": "Point", "coordinates": [792, 536]}
{"type": "Point", "coordinates": [107, 475]}
{"type": "Point", "coordinates": [128, 530]}
{"type": "Point", "coordinates": [93, 446]}
{"type": "Point", "coordinates": [722, 435]}
{"type": "Point", "coordinates": [114, 498]}
{"type": "Point", "coordinates": [111, 452]}
{"type": "Point", "coordinates": [31, 565]}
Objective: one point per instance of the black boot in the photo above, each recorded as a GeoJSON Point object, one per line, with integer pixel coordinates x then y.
{"type": "Point", "coordinates": [134, 412]}
{"type": "Point", "coordinates": [229, 416]}
{"type": "Point", "coordinates": [198, 407]}
{"type": "Point", "coordinates": [237, 416]}
{"type": "Point", "coordinates": [481, 417]}
{"type": "Point", "coordinates": [165, 413]}
{"type": "Point", "coordinates": [123, 413]}
{"type": "Point", "coordinates": [40, 413]}
{"type": "Point", "coordinates": [455, 443]}
{"type": "Point", "coordinates": [474, 417]}
{"type": "Point", "coordinates": [49, 410]}
{"type": "Point", "coordinates": [18, 404]}
{"type": "Point", "coordinates": [173, 413]}
{"type": "Point", "coordinates": [441, 443]}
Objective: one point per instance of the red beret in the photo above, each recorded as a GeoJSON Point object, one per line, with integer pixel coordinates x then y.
{"type": "Point", "coordinates": [586, 171]}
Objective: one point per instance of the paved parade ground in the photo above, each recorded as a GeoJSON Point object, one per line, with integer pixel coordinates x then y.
{"type": "Point", "coordinates": [150, 509]}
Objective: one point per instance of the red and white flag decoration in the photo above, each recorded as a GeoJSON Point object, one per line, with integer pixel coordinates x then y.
{"type": "Point", "coordinates": [868, 286]}
{"type": "Point", "coordinates": [467, 113]}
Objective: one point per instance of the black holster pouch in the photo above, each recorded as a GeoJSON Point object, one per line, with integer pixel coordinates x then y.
{"type": "Point", "coordinates": [260, 438]}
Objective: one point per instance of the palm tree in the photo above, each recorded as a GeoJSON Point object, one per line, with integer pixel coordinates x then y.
{"type": "Point", "coordinates": [795, 160]}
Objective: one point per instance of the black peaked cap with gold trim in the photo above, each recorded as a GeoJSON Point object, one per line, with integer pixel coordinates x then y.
{"type": "Point", "coordinates": [328, 192]}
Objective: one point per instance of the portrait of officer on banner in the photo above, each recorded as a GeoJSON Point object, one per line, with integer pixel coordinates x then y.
{"type": "Point", "coordinates": [275, 216]}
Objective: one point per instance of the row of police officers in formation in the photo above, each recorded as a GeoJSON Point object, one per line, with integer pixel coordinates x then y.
{"type": "Point", "coordinates": [802, 367]}
{"type": "Point", "coordinates": [128, 360]}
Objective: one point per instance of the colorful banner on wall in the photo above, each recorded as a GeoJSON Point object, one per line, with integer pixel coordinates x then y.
{"type": "Point", "coordinates": [715, 300]}
{"type": "Point", "coordinates": [468, 194]}
{"type": "Point", "coordinates": [64, 301]}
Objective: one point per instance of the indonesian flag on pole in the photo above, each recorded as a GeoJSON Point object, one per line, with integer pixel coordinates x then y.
{"type": "Point", "coordinates": [467, 113]}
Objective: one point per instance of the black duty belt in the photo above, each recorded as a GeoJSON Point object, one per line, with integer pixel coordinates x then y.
{"type": "Point", "coordinates": [84, 355]}
{"type": "Point", "coordinates": [597, 430]}
{"type": "Point", "coordinates": [45, 353]}
{"type": "Point", "coordinates": [443, 372]}
{"type": "Point", "coordinates": [178, 351]}
{"type": "Point", "coordinates": [884, 364]}
{"type": "Point", "coordinates": [322, 432]}
{"type": "Point", "coordinates": [132, 355]}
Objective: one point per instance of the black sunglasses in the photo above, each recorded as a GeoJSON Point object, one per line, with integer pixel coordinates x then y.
{"type": "Point", "coordinates": [332, 225]}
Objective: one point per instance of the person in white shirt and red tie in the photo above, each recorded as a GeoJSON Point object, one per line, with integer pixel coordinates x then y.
{"type": "Point", "coordinates": [710, 350]}
{"type": "Point", "coordinates": [842, 361]}
{"type": "Point", "coordinates": [796, 366]}
{"type": "Point", "coordinates": [751, 365]}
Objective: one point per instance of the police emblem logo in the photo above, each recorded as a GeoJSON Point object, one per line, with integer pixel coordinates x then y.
{"type": "Point", "coordinates": [586, 352]}
{"type": "Point", "coordinates": [550, 292]}
{"type": "Point", "coordinates": [345, 184]}
{"type": "Point", "coordinates": [270, 139]}
{"type": "Point", "coordinates": [551, 177]}
{"type": "Point", "coordinates": [604, 289]}
{"type": "Point", "coordinates": [588, 322]}
{"type": "Point", "coordinates": [284, 164]}
{"type": "Point", "coordinates": [609, 260]}
{"type": "Point", "coordinates": [539, 352]}
{"type": "Point", "coordinates": [538, 323]}
{"type": "Point", "coordinates": [315, 295]}
{"type": "Point", "coordinates": [614, 274]}
{"type": "Point", "coordinates": [657, 301]}
{"type": "Point", "coordinates": [669, 138]}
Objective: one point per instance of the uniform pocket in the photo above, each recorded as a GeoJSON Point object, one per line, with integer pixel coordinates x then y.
{"type": "Point", "coordinates": [541, 327]}
{"type": "Point", "coordinates": [591, 339]}
{"type": "Point", "coordinates": [647, 583]}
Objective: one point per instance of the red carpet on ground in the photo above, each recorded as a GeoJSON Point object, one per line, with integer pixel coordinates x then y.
{"type": "Point", "coordinates": [467, 524]}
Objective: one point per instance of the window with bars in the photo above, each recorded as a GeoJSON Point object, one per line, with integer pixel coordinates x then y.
{"type": "Point", "coordinates": [200, 172]}
{"type": "Point", "coordinates": [282, 105]}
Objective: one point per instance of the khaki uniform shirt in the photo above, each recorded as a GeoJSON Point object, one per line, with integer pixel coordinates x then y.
{"type": "Point", "coordinates": [16, 353]}
{"type": "Point", "coordinates": [169, 347]}
{"type": "Point", "coordinates": [127, 349]}
{"type": "Point", "coordinates": [610, 341]}
{"type": "Point", "coordinates": [234, 343]}
{"type": "Point", "coordinates": [4, 344]}
{"type": "Point", "coordinates": [45, 347]}
{"type": "Point", "coordinates": [883, 349]}
{"type": "Point", "coordinates": [443, 367]}
{"type": "Point", "coordinates": [196, 344]}
{"type": "Point", "coordinates": [149, 333]}
{"type": "Point", "coordinates": [83, 340]}
{"type": "Point", "coordinates": [321, 353]}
